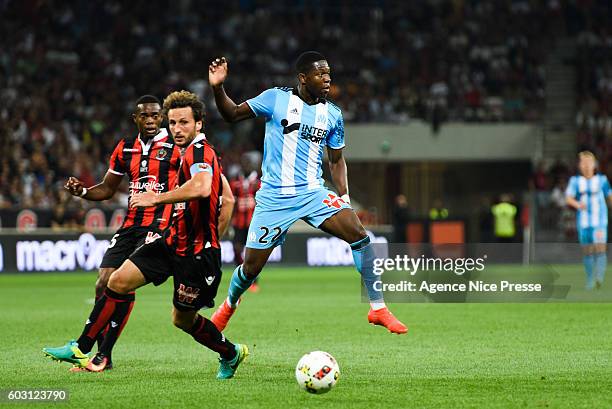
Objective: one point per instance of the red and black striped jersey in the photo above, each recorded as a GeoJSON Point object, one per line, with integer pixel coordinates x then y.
{"type": "Point", "coordinates": [151, 165]}
{"type": "Point", "coordinates": [244, 189]}
{"type": "Point", "coordinates": [195, 223]}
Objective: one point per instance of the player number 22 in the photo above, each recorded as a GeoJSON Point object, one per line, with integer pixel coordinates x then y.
{"type": "Point", "coordinates": [277, 233]}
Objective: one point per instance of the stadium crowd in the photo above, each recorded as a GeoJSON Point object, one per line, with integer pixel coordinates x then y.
{"type": "Point", "coordinates": [594, 68]}
{"type": "Point", "coordinates": [71, 70]}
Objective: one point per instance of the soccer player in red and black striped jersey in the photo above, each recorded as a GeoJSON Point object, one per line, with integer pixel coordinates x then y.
{"type": "Point", "coordinates": [189, 250]}
{"type": "Point", "coordinates": [150, 160]}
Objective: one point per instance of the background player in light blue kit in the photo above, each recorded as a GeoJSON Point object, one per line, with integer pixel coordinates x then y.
{"type": "Point", "coordinates": [300, 122]}
{"type": "Point", "coordinates": [587, 193]}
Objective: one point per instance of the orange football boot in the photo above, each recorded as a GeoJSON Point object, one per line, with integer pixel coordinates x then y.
{"type": "Point", "coordinates": [384, 317]}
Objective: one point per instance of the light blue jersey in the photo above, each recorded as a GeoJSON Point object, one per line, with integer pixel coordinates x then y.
{"type": "Point", "coordinates": [593, 192]}
{"type": "Point", "coordinates": [296, 134]}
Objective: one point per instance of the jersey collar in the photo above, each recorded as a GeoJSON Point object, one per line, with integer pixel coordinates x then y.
{"type": "Point", "coordinates": [199, 137]}
{"type": "Point", "coordinates": [319, 100]}
{"type": "Point", "coordinates": [163, 133]}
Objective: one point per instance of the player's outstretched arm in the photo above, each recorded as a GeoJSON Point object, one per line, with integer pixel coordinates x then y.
{"type": "Point", "coordinates": [198, 187]}
{"type": "Point", "coordinates": [101, 191]}
{"type": "Point", "coordinates": [217, 73]}
{"type": "Point", "coordinates": [227, 207]}
{"type": "Point", "coordinates": [337, 167]}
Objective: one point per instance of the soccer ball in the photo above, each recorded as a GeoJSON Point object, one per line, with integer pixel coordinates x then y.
{"type": "Point", "coordinates": [317, 372]}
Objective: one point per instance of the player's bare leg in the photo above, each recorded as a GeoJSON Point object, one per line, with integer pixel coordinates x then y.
{"type": "Point", "coordinates": [183, 319]}
{"type": "Point", "coordinates": [126, 278]}
{"type": "Point", "coordinates": [238, 249]}
{"type": "Point", "coordinates": [254, 261]}
{"type": "Point", "coordinates": [102, 281]}
{"type": "Point", "coordinates": [346, 226]}
{"type": "Point", "coordinates": [244, 275]}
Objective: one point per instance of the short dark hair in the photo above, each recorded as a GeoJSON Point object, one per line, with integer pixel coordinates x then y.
{"type": "Point", "coordinates": [148, 99]}
{"type": "Point", "coordinates": [304, 62]}
{"type": "Point", "coordinates": [183, 99]}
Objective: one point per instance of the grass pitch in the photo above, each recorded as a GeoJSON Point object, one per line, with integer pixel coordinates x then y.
{"type": "Point", "coordinates": [455, 355]}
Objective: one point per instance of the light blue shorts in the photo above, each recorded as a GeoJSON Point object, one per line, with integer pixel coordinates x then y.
{"type": "Point", "coordinates": [593, 235]}
{"type": "Point", "coordinates": [275, 213]}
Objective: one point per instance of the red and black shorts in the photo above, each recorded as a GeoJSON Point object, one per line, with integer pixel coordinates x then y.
{"type": "Point", "coordinates": [196, 278]}
{"type": "Point", "coordinates": [125, 241]}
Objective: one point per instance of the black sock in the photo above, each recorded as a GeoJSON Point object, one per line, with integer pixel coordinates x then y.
{"type": "Point", "coordinates": [100, 336]}
{"type": "Point", "coordinates": [98, 318]}
{"type": "Point", "coordinates": [208, 335]}
{"type": "Point", "coordinates": [117, 322]}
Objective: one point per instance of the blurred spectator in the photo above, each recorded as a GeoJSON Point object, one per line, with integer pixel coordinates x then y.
{"type": "Point", "coordinates": [594, 83]}
{"type": "Point", "coordinates": [400, 219]}
{"type": "Point", "coordinates": [562, 214]}
{"type": "Point", "coordinates": [485, 220]}
{"type": "Point", "coordinates": [559, 171]}
{"type": "Point", "coordinates": [60, 220]}
{"type": "Point", "coordinates": [541, 185]}
{"type": "Point", "coordinates": [504, 216]}
{"type": "Point", "coordinates": [69, 70]}
{"type": "Point", "coordinates": [438, 211]}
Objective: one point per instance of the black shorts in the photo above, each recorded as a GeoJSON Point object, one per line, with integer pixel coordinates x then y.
{"type": "Point", "coordinates": [123, 243]}
{"type": "Point", "coordinates": [196, 279]}
{"type": "Point", "coordinates": [240, 236]}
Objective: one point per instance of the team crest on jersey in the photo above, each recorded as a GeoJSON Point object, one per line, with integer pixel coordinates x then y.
{"type": "Point", "coordinates": [161, 154]}
{"type": "Point", "coordinates": [333, 201]}
{"type": "Point", "coordinates": [187, 294]}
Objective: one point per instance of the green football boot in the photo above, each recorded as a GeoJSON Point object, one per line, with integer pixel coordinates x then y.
{"type": "Point", "coordinates": [68, 353]}
{"type": "Point", "coordinates": [227, 368]}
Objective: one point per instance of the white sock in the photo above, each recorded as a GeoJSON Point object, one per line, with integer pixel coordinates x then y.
{"type": "Point", "coordinates": [379, 305]}
{"type": "Point", "coordinates": [230, 304]}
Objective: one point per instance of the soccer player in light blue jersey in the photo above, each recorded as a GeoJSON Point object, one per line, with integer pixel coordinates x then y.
{"type": "Point", "coordinates": [300, 123]}
{"type": "Point", "coordinates": [588, 193]}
